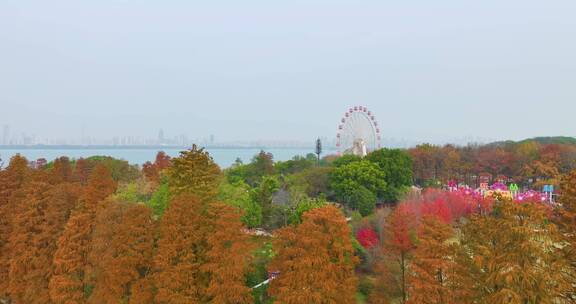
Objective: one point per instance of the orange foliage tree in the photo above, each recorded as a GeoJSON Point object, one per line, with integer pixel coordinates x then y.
{"type": "Point", "coordinates": [181, 251]}
{"type": "Point", "coordinates": [432, 278]}
{"type": "Point", "coordinates": [37, 225]}
{"type": "Point", "coordinates": [62, 171]}
{"type": "Point", "coordinates": [566, 221]}
{"type": "Point", "coordinates": [512, 255]}
{"type": "Point", "coordinates": [315, 260]}
{"type": "Point", "coordinates": [11, 180]}
{"type": "Point", "coordinates": [122, 251]}
{"type": "Point", "coordinates": [67, 285]}
{"type": "Point", "coordinates": [227, 257]}
{"type": "Point", "coordinates": [81, 171]}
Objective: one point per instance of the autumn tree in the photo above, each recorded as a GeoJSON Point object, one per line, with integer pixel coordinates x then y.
{"type": "Point", "coordinates": [432, 278]}
{"type": "Point", "coordinates": [315, 260]}
{"type": "Point", "coordinates": [152, 170]}
{"type": "Point", "coordinates": [566, 221]}
{"type": "Point", "coordinates": [513, 256]}
{"type": "Point", "coordinates": [426, 163]}
{"type": "Point", "coordinates": [196, 173]}
{"type": "Point", "coordinates": [121, 253]}
{"type": "Point", "coordinates": [38, 223]}
{"type": "Point", "coordinates": [62, 170]}
{"type": "Point", "coordinates": [67, 285]}
{"type": "Point", "coordinates": [181, 251]}
{"type": "Point", "coordinates": [11, 180]}
{"type": "Point", "coordinates": [82, 170]}
{"type": "Point", "coordinates": [396, 253]}
{"type": "Point", "coordinates": [227, 257]}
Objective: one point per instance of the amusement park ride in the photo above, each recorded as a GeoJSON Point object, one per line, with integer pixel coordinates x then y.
{"type": "Point", "coordinates": [511, 192]}
{"type": "Point", "coordinates": [358, 132]}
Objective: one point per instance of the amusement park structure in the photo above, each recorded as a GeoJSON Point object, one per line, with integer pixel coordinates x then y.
{"type": "Point", "coordinates": [358, 132]}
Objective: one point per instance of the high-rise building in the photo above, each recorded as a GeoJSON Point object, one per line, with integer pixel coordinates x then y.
{"type": "Point", "coordinates": [161, 136]}
{"type": "Point", "coordinates": [6, 135]}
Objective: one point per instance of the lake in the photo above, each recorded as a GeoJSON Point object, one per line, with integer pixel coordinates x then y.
{"type": "Point", "coordinates": [224, 157]}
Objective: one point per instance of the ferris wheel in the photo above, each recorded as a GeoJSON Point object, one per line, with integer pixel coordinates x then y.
{"type": "Point", "coordinates": [358, 132]}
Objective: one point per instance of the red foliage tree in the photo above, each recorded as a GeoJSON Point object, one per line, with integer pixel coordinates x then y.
{"type": "Point", "coordinates": [398, 246]}
{"type": "Point", "coordinates": [152, 170]}
{"type": "Point", "coordinates": [437, 208]}
{"type": "Point", "coordinates": [367, 237]}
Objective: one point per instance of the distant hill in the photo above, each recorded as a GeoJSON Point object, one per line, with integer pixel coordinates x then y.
{"type": "Point", "coordinates": [566, 140]}
{"type": "Point", "coordinates": [552, 140]}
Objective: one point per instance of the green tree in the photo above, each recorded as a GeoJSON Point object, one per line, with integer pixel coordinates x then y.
{"type": "Point", "coordinates": [238, 194]}
{"type": "Point", "coordinates": [159, 200]}
{"type": "Point", "coordinates": [364, 200]}
{"type": "Point", "coordinates": [263, 196]}
{"type": "Point", "coordinates": [296, 164]}
{"type": "Point", "coordinates": [397, 167]}
{"type": "Point", "coordinates": [121, 170]}
{"type": "Point", "coordinates": [345, 160]}
{"type": "Point", "coordinates": [347, 179]}
{"type": "Point", "coordinates": [314, 181]}
{"type": "Point", "coordinates": [304, 205]}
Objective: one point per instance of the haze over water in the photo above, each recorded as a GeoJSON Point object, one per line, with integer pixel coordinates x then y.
{"type": "Point", "coordinates": [223, 157]}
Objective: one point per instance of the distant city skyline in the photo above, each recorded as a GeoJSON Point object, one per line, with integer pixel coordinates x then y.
{"type": "Point", "coordinates": [182, 140]}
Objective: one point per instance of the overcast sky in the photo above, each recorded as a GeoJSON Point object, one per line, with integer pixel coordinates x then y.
{"type": "Point", "coordinates": [243, 69]}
